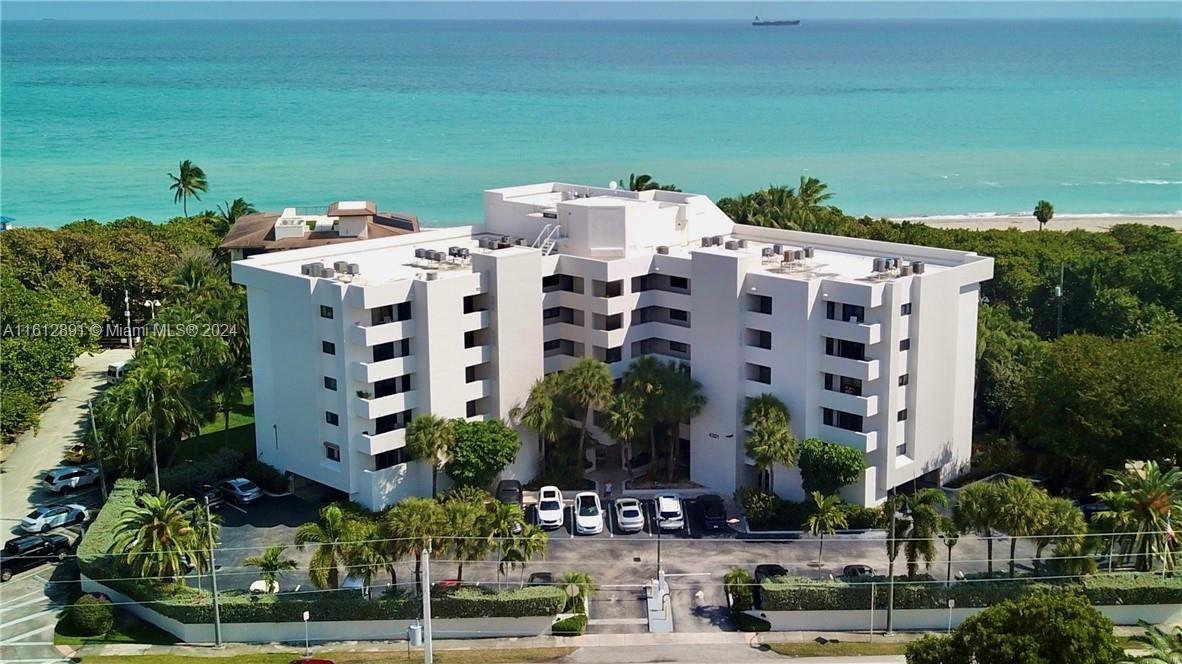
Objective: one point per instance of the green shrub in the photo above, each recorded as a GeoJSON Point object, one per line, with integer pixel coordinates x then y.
{"type": "Point", "coordinates": [265, 476]}
{"type": "Point", "coordinates": [864, 518]}
{"type": "Point", "coordinates": [572, 626]}
{"type": "Point", "coordinates": [760, 507]}
{"type": "Point", "coordinates": [739, 584]}
{"type": "Point", "coordinates": [803, 594]}
{"type": "Point", "coordinates": [217, 466]}
{"type": "Point", "coordinates": [99, 537]}
{"type": "Point", "coordinates": [92, 616]}
{"type": "Point", "coordinates": [826, 467]}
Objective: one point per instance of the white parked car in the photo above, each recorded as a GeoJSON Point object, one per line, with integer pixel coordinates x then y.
{"type": "Point", "coordinates": [42, 519]}
{"type": "Point", "coordinates": [588, 513]}
{"type": "Point", "coordinates": [550, 509]}
{"type": "Point", "coordinates": [669, 513]}
{"type": "Point", "coordinates": [629, 516]}
{"type": "Point", "coordinates": [69, 479]}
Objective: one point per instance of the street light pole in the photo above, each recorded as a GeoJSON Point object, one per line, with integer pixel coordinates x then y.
{"type": "Point", "coordinates": [127, 316]}
{"type": "Point", "coordinates": [213, 571]}
{"type": "Point", "coordinates": [425, 580]}
{"type": "Point", "coordinates": [890, 626]}
{"type": "Point", "coordinates": [98, 450]}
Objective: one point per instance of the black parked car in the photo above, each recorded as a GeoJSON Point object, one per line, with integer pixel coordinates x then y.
{"type": "Point", "coordinates": [541, 579]}
{"type": "Point", "coordinates": [509, 491]}
{"type": "Point", "coordinates": [769, 571]}
{"type": "Point", "coordinates": [31, 551]}
{"type": "Point", "coordinates": [857, 571]}
{"type": "Point", "coordinates": [203, 490]}
{"type": "Point", "coordinates": [713, 511]}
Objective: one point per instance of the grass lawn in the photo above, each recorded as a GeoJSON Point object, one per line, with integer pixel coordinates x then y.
{"type": "Point", "coordinates": [493, 656]}
{"type": "Point", "coordinates": [837, 649]}
{"type": "Point", "coordinates": [213, 435]}
{"type": "Point", "coordinates": [128, 629]}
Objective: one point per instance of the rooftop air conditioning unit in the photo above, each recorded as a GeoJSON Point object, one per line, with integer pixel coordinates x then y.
{"type": "Point", "coordinates": [798, 255]}
{"type": "Point", "coordinates": [439, 256]}
{"type": "Point", "coordinates": [663, 250]}
{"type": "Point", "coordinates": [905, 271]}
{"type": "Point", "coordinates": [767, 252]}
{"type": "Point", "coordinates": [354, 268]}
{"type": "Point", "coordinates": [327, 273]}
{"type": "Point", "coordinates": [453, 251]}
{"type": "Point", "coordinates": [808, 252]}
{"type": "Point", "coordinates": [420, 252]}
{"type": "Point", "coordinates": [306, 269]}
{"type": "Point", "coordinates": [879, 265]}
{"type": "Point", "coordinates": [732, 245]}
{"type": "Point", "coordinates": [788, 254]}
{"type": "Point", "coordinates": [465, 252]}
{"type": "Point", "coordinates": [777, 249]}
{"type": "Point", "coordinates": [341, 266]}
{"type": "Point", "coordinates": [742, 244]}
{"type": "Point", "coordinates": [717, 240]}
{"type": "Point", "coordinates": [431, 276]}
{"type": "Point", "coordinates": [917, 267]}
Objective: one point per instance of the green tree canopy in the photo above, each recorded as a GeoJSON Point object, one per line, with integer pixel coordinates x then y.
{"type": "Point", "coordinates": [826, 467]}
{"type": "Point", "coordinates": [481, 451]}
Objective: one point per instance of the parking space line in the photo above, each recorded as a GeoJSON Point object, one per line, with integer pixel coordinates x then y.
{"type": "Point", "coordinates": [647, 528]}
{"type": "Point", "coordinates": [33, 592]}
{"type": "Point", "coordinates": [13, 640]}
{"type": "Point", "coordinates": [9, 606]}
{"type": "Point", "coordinates": [29, 617]}
{"type": "Point", "coordinates": [236, 507]}
{"type": "Point", "coordinates": [571, 522]}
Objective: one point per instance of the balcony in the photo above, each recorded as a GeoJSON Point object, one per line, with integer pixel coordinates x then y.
{"type": "Point", "coordinates": [382, 442]}
{"type": "Point", "coordinates": [866, 406]}
{"type": "Point", "coordinates": [478, 389]}
{"type": "Point", "coordinates": [372, 372]}
{"type": "Point", "coordinates": [864, 333]}
{"type": "Point", "coordinates": [477, 320]}
{"type": "Point", "coordinates": [476, 355]}
{"type": "Point", "coordinates": [864, 370]}
{"type": "Point", "coordinates": [866, 442]}
{"type": "Point", "coordinates": [372, 335]}
{"type": "Point", "coordinates": [371, 409]}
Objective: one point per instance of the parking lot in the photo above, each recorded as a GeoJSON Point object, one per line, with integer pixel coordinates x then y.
{"type": "Point", "coordinates": [694, 527]}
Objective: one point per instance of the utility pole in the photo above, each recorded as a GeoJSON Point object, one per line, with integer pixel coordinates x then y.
{"type": "Point", "coordinates": [127, 316]}
{"type": "Point", "coordinates": [213, 571]}
{"type": "Point", "coordinates": [428, 656]}
{"type": "Point", "coordinates": [890, 626]}
{"type": "Point", "coordinates": [1059, 305]}
{"type": "Point", "coordinates": [98, 451]}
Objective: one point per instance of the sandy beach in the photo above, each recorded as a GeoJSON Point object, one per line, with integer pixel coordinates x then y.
{"type": "Point", "coordinates": [1067, 222]}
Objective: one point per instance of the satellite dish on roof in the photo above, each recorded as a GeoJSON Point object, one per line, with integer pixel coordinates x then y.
{"type": "Point", "coordinates": [613, 185]}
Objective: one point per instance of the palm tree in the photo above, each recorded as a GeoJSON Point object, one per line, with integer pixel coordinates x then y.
{"type": "Point", "coordinates": [543, 414]}
{"type": "Point", "coordinates": [520, 548]}
{"type": "Point", "coordinates": [1021, 511]}
{"type": "Point", "coordinates": [589, 384]}
{"type": "Point", "coordinates": [420, 523]}
{"type": "Point", "coordinates": [951, 535]}
{"type": "Point", "coordinates": [431, 438]}
{"type": "Point", "coordinates": [976, 509]}
{"type": "Point", "coordinates": [826, 518]}
{"type": "Point", "coordinates": [189, 180]}
{"type": "Point", "coordinates": [463, 520]}
{"type": "Point", "coordinates": [683, 401]}
{"type": "Point", "coordinates": [232, 211]}
{"type": "Point", "coordinates": [770, 440]}
{"type": "Point", "coordinates": [645, 182]}
{"type": "Point", "coordinates": [197, 279]}
{"type": "Point", "coordinates": [923, 522]}
{"type": "Point", "coordinates": [156, 401]}
{"type": "Point", "coordinates": [271, 566]}
{"type": "Point", "coordinates": [333, 536]}
{"type": "Point", "coordinates": [1044, 212]}
{"type": "Point", "coordinates": [1146, 498]}
{"type": "Point", "coordinates": [229, 385]}
{"type": "Point", "coordinates": [157, 535]}
{"type": "Point", "coordinates": [625, 417]}
{"type": "Point", "coordinates": [1161, 648]}
{"type": "Point", "coordinates": [646, 379]}
{"type": "Point", "coordinates": [1062, 518]}
{"type": "Point", "coordinates": [586, 587]}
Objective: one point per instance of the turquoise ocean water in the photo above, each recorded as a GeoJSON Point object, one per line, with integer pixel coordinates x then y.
{"type": "Point", "coordinates": [901, 118]}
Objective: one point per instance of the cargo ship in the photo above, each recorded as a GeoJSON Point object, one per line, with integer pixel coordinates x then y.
{"type": "Point", "coordinates": [761, 22]}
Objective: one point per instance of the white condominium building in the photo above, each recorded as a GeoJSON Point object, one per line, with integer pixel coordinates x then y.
{"type": "Point", "coordinates": [870, 344]}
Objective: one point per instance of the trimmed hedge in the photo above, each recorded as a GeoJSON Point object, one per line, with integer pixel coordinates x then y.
{"type": "Point", "coordinates": [219, 465]}
{"type": "Point", "coordinates": [804, 594]}
{"type": "Point", "coordinates": [767, 511]}
{"type": "Point", "coordinates": [92, 616]}
{"type": "Point", "coordinates": [93, 550]}
{"type": "Point", "coordinates": [266, 476]}
{"type": "Point", "coordinates": [573, 626]}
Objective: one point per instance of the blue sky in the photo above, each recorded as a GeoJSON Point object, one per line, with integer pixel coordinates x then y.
{"type": "Point", "coordinates": [555, 9]}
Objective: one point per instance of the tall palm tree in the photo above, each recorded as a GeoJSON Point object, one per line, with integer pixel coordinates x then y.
{"type": "Point", "coordinates": [1044, 212]}
{"type": "Point", "coordinates": [770, 440]}
{"type": "Point", "coordinates": [809, 197]}
{"type": "Point", "coordinates": [421, 524]}
{"type": "Point", "coordinates": [157, 401]}
{"type": "Point", "coordinates": [1063, 520]}
{"type": "Point", "coordinates": [198, 279]}
{"type": "Point", "coordinates": [271, 566]}
{"type": "Point", "coordinates": [1147, 498]}
{"type": "Point", "coordinates": [645, 182]}
{"type": "Point", "coordinates": [589, 384]}
{"type": "Point", "coordinates": [157, 535]}
{"type": "Point", "coordinates": [463, 523]}
{"type": "Point", "coordinates": [431, 438]}
{"type": "Point", "coordinates": [543, 414]}
{"type": "Point", "coordinates": [976, 510]}
{"type": "Point", "coordinates": [189, 180]}
{"type": "Point", "coordinates": [683, 402]}
{"type": "Point", "coordinates": [646, 379]}
{"type": "Point", "coordinates": [232, 211]}
{"type": "Point", "coordinates": [332, 535]}
{"type": "Point", "coordinates": [625, 417]}
{"type": "Point", "coordinates": [520, 548]}
{"type": "Point", "coordinates": [1021, 511]}
{"type": "Point", "coordinates": [921, 526]}
{"type": "Point", "coordinates": [229, 385]}
{"type": "Point", "coordinates": [826, 518]}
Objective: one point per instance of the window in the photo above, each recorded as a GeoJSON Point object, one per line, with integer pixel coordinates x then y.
{"type": "Point", "coordinates": [678, 347]}
{"type": "Point", "coordinates": [552, 312]}
{"type": "Point", "coordinates": [325, 312]}
{"type": "Point", "coordinates": [853, 313]}
{"type": "Point", "coordinates": [759, 338]}
{"type": "Point", "coordinates": [402, 311]}
{"type": "Point", "coordinates": [328, 348]}
{"type": "Point", "coordinates": [389, 459]}
{"type": "Point", "coordinates": [679, 314]}
{"type": "Point", "coordinates": [553, 344]}
{"type": "Point", "coordinates": [760, 304]}
{"type": "Point", "coordinates": [905, 344]}
{"type": "Point", "coordinates": [679, 282]}
{"type": "Point", "coordinates": [759, 373]}
{"type": "Point", "coordinates": [851, 350]}
{"type": "Point", "coordinates": [330, 383]}
{"type": "Point", "coordinates": [905, 310]}
{"type": "Point", "coordinates": [332, 452]}
{"type": "Point", "coordinates": [902, 415]}
{"type": "Point", "coordinates": [331, 418]}
{"type": "Point", "coordinates": [613, 355]}
{"type": "Point", "coordinates": [470, 408]}
{"type": "Point", "coordinates": [842, 420]}
{"type": "Point", "coordinates": [903, 379]}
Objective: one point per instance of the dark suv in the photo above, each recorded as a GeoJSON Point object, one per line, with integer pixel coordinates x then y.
{"type": "Point", "coordinates": [201, 491]}
{"type": "Point", "coordinates": [31, 551]}
{"type": "Point", "coordinates": [509, 491]}
{"type": "Point", "coordinates": [713, 511]}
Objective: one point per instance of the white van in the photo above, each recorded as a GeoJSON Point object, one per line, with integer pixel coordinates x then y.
{"type": "Point", "coordinates": [115, 372]}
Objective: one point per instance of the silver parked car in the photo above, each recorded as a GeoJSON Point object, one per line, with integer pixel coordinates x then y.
{"type": "Point", "coordinates": [43, 519]}
{"type": "Point", "coordinates": [240, 490]}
